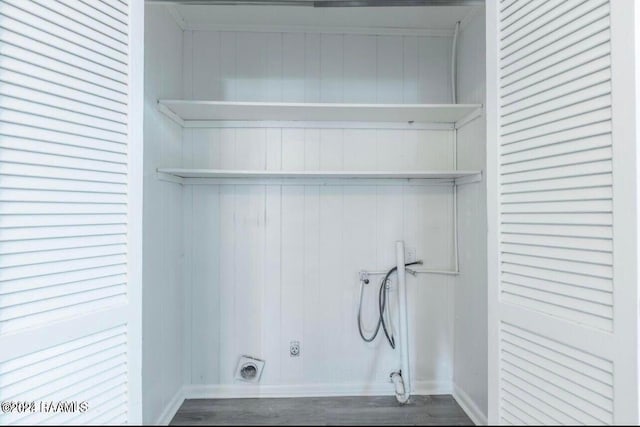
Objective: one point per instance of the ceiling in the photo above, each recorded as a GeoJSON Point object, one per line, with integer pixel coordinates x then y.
{"type": "Point", "coordinates": [341, 19]}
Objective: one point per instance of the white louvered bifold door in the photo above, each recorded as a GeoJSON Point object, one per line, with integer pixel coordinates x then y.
{"type": "Point", "coordinates": [562, 188]}
{"type": "Point", "coordinates": [70, 88]}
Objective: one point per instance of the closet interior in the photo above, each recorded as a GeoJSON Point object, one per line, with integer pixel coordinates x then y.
{"type": "Point", "coordinates": [287, 150]}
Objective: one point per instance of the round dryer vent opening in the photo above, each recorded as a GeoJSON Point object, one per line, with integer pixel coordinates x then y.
{"type": "Point", "coordinates": [249, 369]}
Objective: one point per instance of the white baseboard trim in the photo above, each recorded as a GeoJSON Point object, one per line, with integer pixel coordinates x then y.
{"type": "Point", "coordinates": [227, 391]}
{"type": "Point", "coordinates": [425, 388]}
{"type": "Point", "coordinates": [469, 406]}
{"type": "Point", "coordinates": [172, 407]}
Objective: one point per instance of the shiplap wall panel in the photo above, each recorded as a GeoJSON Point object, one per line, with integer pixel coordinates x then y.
{"type": "Point", "coordinates": [64, 131]}
{"type": "Point", "coordinates": [272, 263]}
{"type": "Point", "coordinates": [289, 67]}
{"type": "Point", "coordinates": [555, 164]}
{"type": "Point", "coordinates": [163, 367]}
{"type": "Point", "coordinates": [265, 283]}
{"type": "Point", "coordinates": [470, 324]}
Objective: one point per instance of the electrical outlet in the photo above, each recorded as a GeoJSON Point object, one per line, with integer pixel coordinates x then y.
{"type": "Point", "coordinates": [294, 348]}
{"type": "Point", "coordinates": [410, 255]}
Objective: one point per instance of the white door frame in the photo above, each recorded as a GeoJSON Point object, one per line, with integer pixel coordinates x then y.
{"type": "Point", "coordinates": [135, 181]}
{"type": "Point", "coordinates": [624, 80]}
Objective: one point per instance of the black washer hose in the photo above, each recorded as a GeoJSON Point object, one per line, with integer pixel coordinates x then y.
{"type": "Point", "coordinates": [382, 303]}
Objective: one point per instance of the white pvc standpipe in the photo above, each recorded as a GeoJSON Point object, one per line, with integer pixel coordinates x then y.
{"type": "Point", "coordinates": [403, 324]}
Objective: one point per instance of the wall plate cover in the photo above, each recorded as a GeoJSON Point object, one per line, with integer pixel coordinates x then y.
{"type": "Point", "coordinates": [249, 369]}
{"type": "Point", "coordinates": [294, 348]}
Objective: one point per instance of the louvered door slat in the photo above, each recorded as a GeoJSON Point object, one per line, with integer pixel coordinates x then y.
{"type": "Point", "coordinates": [108, 119]}
{"type": "Point", "coordinates": [568, 170]}
{"type": "Point", "coordinates": [519, 413]}
{"type": "Point", "coordinates": [531, 119]}
{"type": "Point", "coordinates": [590, 414]}
{"type": "Point", "coordinates": [556, 241]}
{"type": "Point", "coordinates": [54, 23]}
{"type": "Point", "coordinates": [519, 17]}
{"type": "Point", "coordinates": [563, 292]}
{"type": "Point", "coordinates": [47, 59]}
{"type": "Point", "coordinates": [544, 413]}
{"type": "Point", "coordinates": [582, 153]}
{"type": "Point", "coordinates": [66, 108]}
{"type": "Point", "coordinates": [578, 44]}
{"type": "Point", "coordinates": [47, 293]}
{"type": "Point", "coordinates": [18, 34]}
{"type": "Point", "coordinates": [90, 27]}
{"type": "Point", "coordinates": [44, 220]}
{"type": "Point", "coordinates": [547, 130]}
{"type": "Point", "coordinates": [18, 70]}
{"type": "Point", "coordinates": [573, 134]}
{"type": "Point", "coordinates": [531, 273]}
{"type": "Point", "coordinates": [80, 367]}
{"type": "Point", "coordinates": [555, 149]}
{"type": "Point", "coordinates": [526, 88]}
{"type": "Point", "coordinates": [57, 118]}
{"type": "Point", "coordinates": [95, 19]}
{"type": "Point", "coordinates": [60, 136]}
{"type": "Point", "coordinates": [61, 243]}
{"type": "Point", "coordinates": [566, 18]}
{"type": "Point", "coordinates": [599, 182]}
{"type": "Point", "coordinates": [71, 277]}
{"type": "Point", "coordinates": [506, 4]}
{"type": "Point", "coordinates": [15, 152]}
{"type": "Point", "coordinates": [574, 43]}
{"type": "Point", "coordinates": [59, 87]}
{"type": "Point", "coordinates": [120, 5]}
{"type": "Point", "coordinates": [576, 91]}
{"type": "Point", "coordinates": [22, 113]}
{"type": "Point", "coordinates": [42, 257]}
{"type": "Point", "coordinates": [99, 159]}
{"type": "Point", "coordinates": [562, 191]}
{"type": "Point", "coordinates": [12, 207]}
{"type": "Point", "coordinates": [56, 35]}
{"type": "Point", "coordinates": [538, 115]}
{"type": "Point", "coordinates": [99, 393]}
{"type": "Point", "coordinates": [108, 9]}
{"type": "Point", "coordinates": [61, 173]}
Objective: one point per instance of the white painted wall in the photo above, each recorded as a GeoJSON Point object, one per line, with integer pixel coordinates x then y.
{"type": "Point", "coordinates": [306, 67]}
{"type": "Point", "coordinates": [268, 264]}
{"type": "Point", "coordinates": [470, 338]}
{"type": "Point", "coordinates": [163, 315]}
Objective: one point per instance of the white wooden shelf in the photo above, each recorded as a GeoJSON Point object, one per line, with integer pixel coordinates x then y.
{"type": "Point", "coordinates": [184, 111]}
{"type": "Point", "coordinates": [179, 174]}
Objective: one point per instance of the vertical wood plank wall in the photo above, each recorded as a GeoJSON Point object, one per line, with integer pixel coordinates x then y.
{"type": "Point", "coordinates": [470, 339]}
{"type": "Point", "coordinates": [163, 290]}
{"type": "Point", "coordinates": [269, 264]}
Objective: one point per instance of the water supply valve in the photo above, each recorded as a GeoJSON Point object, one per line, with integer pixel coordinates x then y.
{"type": "Point", "coordinates": [364, 277]}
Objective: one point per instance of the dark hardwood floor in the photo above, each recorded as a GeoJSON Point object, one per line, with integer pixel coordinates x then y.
{"type": "Point", "coordinates": [378, 410]}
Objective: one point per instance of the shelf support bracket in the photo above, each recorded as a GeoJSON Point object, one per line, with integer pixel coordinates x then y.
{"type": "Point", "coordinates": [469, 118]}
{"type": "Point", "coordinates": [167, 177]}
{"type": "Point", "coordinates": [468, 179]}
{"type": "Point", "coordinates": [167, 112]}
